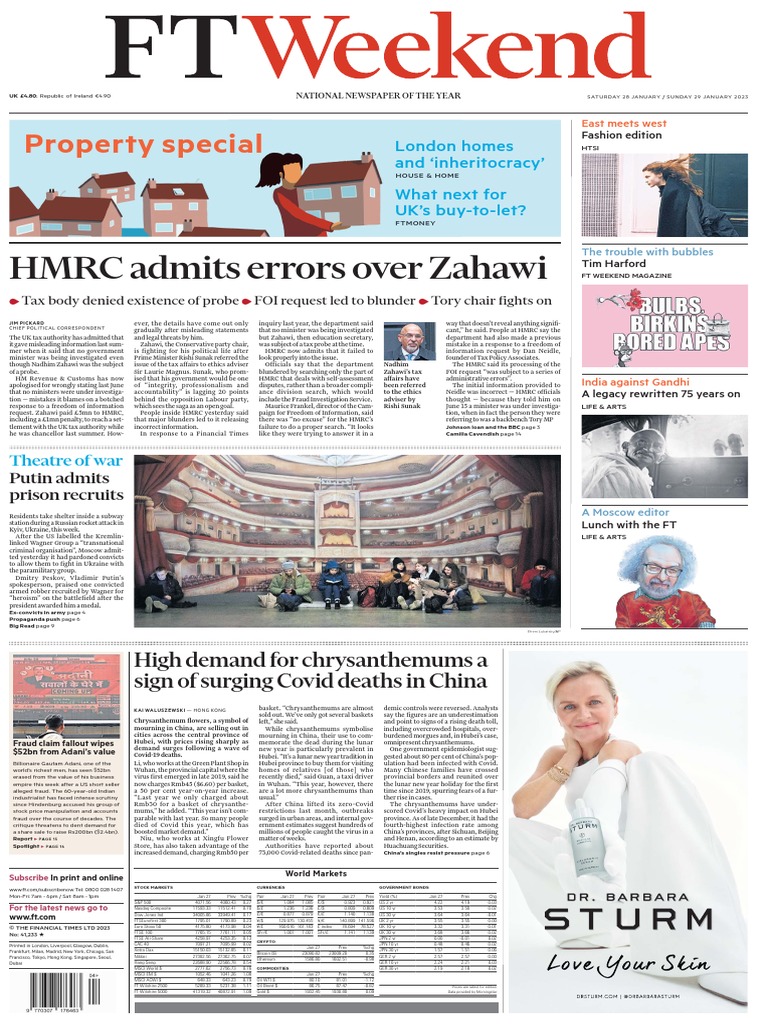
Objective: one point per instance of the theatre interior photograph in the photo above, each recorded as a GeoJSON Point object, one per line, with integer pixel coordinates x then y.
{"type": "Point", "coordinates": [347, 540]}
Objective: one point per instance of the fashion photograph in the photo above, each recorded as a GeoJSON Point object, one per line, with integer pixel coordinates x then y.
{"type": "Point", "coordinates": [670, 195]}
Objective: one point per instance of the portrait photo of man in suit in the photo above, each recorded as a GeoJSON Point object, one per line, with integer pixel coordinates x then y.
{"type": "Point", "coordinates": [409, 343]}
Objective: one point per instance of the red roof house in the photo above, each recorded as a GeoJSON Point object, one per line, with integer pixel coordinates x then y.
{"type": "Point", "coordinates": [167, 205]}
{"type": "Point", "coordinates": [23, 218]}
{"type": "Point", "coordinates": [342, 190]}
{"type": "Point", "coordinates": [120, 187]}
{"type": "Point", "coordinates": [86, 218]}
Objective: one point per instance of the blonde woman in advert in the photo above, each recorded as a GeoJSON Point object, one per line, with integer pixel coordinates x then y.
{"type": "Point", "coordinates": [658, 839]}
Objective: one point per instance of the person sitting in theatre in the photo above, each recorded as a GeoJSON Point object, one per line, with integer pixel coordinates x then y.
{"type": "Point", "coordinates": [164, 592]}
{"type": "Point", "coordinates": [660, 571]}
{"type": "Point", "coordinates": [395, 585]}
{"type": "Point", "coordinates": [422, 583]}
{"type": "Point", "coordinates": [288, 590]}
{"type": "Point", "coordinates": [453, 591]}
{"type": "Point", "coordinates": [540, 584]}
{"type": "Point", "coordinates": [333, 585]}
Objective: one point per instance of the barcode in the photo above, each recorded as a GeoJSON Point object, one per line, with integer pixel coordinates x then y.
{"type": "Point", "coordinates": [61, 990]}
{"type": "Point", "coordinates": [56, 989]}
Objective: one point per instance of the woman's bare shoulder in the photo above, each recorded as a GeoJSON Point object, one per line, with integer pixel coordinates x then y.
{"type": "Point", "coordinates": [621, 750]}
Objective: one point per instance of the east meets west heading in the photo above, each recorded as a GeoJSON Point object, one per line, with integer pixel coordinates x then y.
{"type": "Point", "coordinates": [326, 42]}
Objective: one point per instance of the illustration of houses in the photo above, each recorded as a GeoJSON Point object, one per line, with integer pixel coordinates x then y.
{"type": "Point", "coordinates": [119, 187]}
{"type": "Point", "coordinates": [167, 205]}
{"type": "Point", "coordinates": [86, 218]}
{"type": "Point", "coordinates": [23, 218]}
{"type": "Point", "coordinates": [342, 190]}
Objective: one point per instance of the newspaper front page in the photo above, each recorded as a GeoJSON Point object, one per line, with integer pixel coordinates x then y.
{"type": "Point", "coordinates": [370, 372]}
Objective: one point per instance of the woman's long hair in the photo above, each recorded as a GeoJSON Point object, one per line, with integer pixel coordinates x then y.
{"type": "Point", "coordinates": [680, 169]}
{"type": "Point", "coordinates": [272, 167]}
{"type": "Point", "coordinates": [457, 576]}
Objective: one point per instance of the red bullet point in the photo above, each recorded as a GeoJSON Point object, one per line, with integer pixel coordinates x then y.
{"type": "Point", "coordinates": [14, 302]}
{"type": "Point", "coordinates": [423, 302]}
{"type": "Point", "coordinates": [246, 302]}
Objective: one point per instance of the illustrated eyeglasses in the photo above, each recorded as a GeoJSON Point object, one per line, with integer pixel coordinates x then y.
{"type": "Point", "coordinates": [673, 571]}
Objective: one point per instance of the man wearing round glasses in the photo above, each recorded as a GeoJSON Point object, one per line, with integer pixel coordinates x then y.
{"type": "Point", "coordinates": [660, 570]}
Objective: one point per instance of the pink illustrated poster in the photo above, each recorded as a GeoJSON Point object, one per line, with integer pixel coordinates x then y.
{"type": "Point", "coordinates": [641, 326]}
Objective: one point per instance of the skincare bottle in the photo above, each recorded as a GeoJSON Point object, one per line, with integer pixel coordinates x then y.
{"type": "Point", "coordinates": [587, 842]}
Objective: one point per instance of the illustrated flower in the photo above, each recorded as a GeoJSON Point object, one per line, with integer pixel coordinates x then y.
{"type": "Point", "coordinates": [634, 301]}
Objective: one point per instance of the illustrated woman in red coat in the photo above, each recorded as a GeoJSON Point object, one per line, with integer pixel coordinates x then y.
{"type": "Point", "coordinates": [284, 170]}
